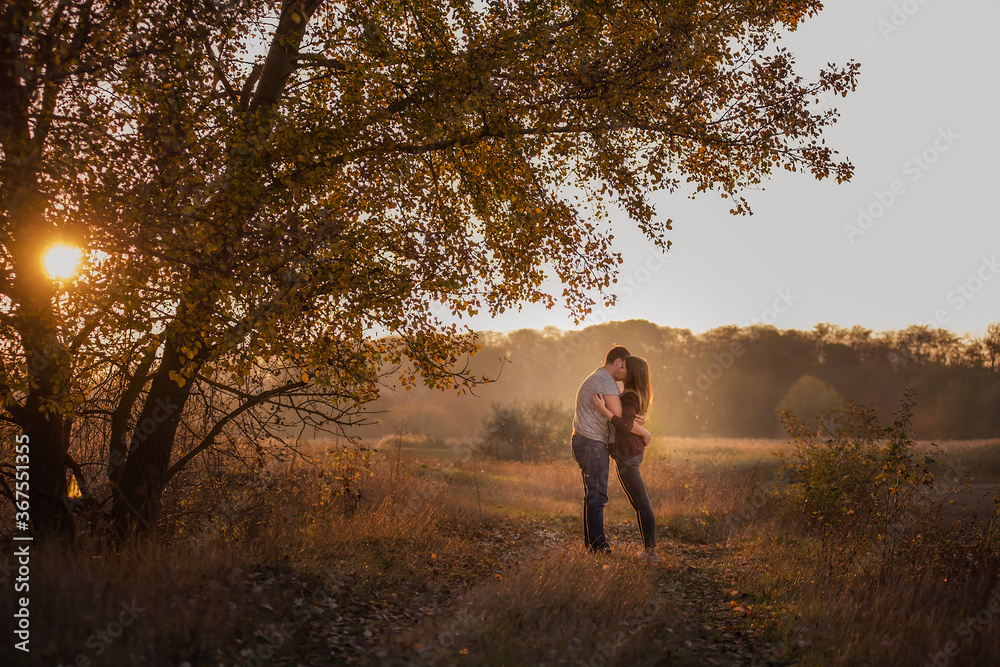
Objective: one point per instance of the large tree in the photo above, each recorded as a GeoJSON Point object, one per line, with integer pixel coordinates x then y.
{"type": "Point", "coordinates": [279, 198]}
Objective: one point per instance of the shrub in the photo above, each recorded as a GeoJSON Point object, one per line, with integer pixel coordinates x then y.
{"type": "Point", "coordinates": [861, 484]}
{"type": "Point", "coordinates": [537, 432]}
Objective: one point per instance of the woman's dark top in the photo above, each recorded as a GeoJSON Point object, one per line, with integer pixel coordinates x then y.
{"type": "Point", "coordinates": [626, 442]}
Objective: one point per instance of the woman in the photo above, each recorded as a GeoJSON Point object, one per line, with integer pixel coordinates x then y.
{"type": "Point", "coordinates": [630, 443]}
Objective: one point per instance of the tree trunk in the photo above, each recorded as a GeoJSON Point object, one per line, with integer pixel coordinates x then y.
{"type": "Point", "coordinates": [51, 517]}
{"type": "Point", "coordinates": [45, 428]}
{"type": "Point", "coordinates": [121, 416]}
{"type": "Point", "coordinates": [48, 365]}
{"type": "Point", "coordinates": [136, 496]}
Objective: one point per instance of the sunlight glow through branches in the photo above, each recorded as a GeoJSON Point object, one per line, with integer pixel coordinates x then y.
{"type": "Point", "coordinates": [62, 261]}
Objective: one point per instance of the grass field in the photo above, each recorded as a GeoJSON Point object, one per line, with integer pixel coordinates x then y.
{"type": "Point", "coordinates": [438, 557]}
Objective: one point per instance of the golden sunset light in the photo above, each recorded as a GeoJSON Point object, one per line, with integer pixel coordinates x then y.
{"type": "Point", "coordinates": [62, 261]}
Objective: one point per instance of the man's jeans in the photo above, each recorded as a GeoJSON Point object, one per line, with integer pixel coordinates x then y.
{"type": "Point", "coordinates": [635, 489]}
{"type": "Point", "coordinates": [592, 457]}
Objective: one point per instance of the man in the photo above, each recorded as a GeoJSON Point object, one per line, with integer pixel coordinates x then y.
{"type": "Point", "coordinates": [591, 435]}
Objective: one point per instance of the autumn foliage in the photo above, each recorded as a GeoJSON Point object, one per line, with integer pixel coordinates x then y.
{"type": "Point", "coordinates": [279, 199]}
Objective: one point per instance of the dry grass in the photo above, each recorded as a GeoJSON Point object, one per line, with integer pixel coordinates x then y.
{"type": "Point", "coordinates": [437, 557]}
{"type": "Point", "coordinates": [231, 587]}
{"type": "Point", "coordinates": [557, 607]}
{"type": "Point", "coordinates": [979, 458]}
{"type": "Point", "coordinates": [735, 454]}
{"type": "Point", "coordinates": [907, 616]}
{"type": "Point", "coordinates": [921, 596]}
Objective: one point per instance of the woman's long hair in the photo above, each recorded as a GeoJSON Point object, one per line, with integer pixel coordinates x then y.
{"type": "Point", "coordinates": [637, 379]}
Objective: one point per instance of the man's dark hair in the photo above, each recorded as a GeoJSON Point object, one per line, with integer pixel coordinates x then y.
{"type": "Point", "coordinates": [616, 353]}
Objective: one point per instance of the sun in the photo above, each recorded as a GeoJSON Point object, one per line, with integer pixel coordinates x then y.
{"type": "Point", "coordinates": [62, 261]}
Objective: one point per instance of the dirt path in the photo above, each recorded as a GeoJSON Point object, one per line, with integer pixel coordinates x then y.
{"type": "Point", "coordinates": [717, 624]}
{"type": "Point", "coordinates": [697, 617]}
{"type": "Point", "coordinates": [705, 620]}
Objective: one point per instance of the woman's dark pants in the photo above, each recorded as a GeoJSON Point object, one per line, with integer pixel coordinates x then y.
{"type": "Point", "coordinates": [631, 479]}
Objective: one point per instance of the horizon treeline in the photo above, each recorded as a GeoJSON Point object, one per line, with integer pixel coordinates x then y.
{"type": "Point", "coordinates": [730, 381]}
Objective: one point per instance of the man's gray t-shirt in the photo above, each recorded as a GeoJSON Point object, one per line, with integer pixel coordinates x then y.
{"type": "Point", "coordinates": [588, 421]}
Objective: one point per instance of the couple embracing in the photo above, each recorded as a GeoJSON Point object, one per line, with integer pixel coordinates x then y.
{"type": "Point", "coordinates": [609, 424]}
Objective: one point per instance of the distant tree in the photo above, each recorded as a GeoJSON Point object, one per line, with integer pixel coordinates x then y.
{"type": "Point", "coordinates": [537, 432]}
{"type": "Point", "coordinates": [282, 197]}
{"type": "Point", "coordinates": [860, 340]}
{"type": "Point", "coordinates": [809, 397]}
{"type": "Point", "coordinates": [991, 341]}
{"type": "Point", "coordinates": [703, 388]}
{"type": "Point", "coordinates": [829, 334]}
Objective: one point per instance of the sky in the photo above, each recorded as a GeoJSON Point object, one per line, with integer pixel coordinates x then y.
{"type": "Point", "coordinates": [914, 238]}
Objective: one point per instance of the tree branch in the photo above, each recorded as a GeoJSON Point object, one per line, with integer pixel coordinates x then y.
{"type": "Point", "coordinates": [209, 439]}
{"type": "Point", "coordinates": [283, 53]}
{"type": "Point", "coordinates": [217, 68]}
{"type": "Point", "coordinates": [121, 415]}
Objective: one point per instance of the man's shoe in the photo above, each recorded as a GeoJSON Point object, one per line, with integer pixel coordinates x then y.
{"type": "Point", "coordinates": [650, 556]}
